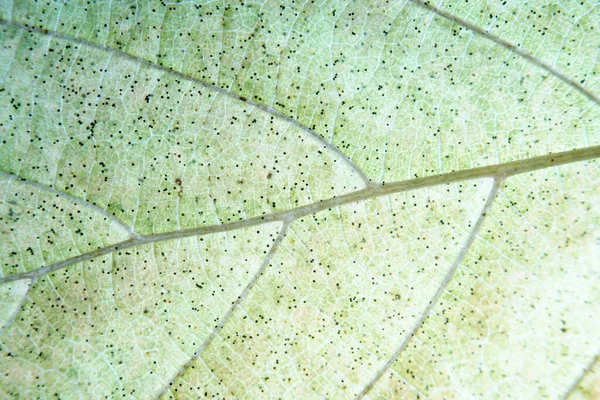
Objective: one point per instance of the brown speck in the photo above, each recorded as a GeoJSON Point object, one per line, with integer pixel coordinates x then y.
{"type": "Point", "coordinates": [269, 175]}
{"type": "Point", "coordinates": [178, 182]}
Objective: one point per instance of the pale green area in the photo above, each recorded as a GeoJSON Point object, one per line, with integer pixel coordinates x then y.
{"type": "Point", "coordinates": [119, 120]}
{"type": "Point", "coordinates": [40, 227]}
{"type": "Point", "coordinates": [158, 152]}
{"type": "Point", "coordinates": [343, 301]}
{"type": "Point", "coordinates": [119, 324]}
{"type": "Point", "coordinates": [589, 387]}
{"type": "Point", "coordinates": [523, 308]}
{"type": "Point", "coordinates": [11, 296]}
{"type": "Point", "coordinates": [401, 91]}
{"type": "Point", "coordinates": [557, 33]}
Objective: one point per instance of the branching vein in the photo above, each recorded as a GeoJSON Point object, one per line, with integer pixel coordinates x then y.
{"type": "Point", "coordinates": [230, 312]}
{"type": "Point", "coordinates": [441, 288]}
{"type": "Point", "coordinates": [498, 171]}
{"type": "Point", "coordinates": [74, 199]}
{"type": "Point", "coordinates": [581, 376]}
{"type": "Point", "coordinates": [328, 145]}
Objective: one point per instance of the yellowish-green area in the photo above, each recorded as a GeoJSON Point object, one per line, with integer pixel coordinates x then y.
{"type": "Point", "coordinates": [119, 324]}
{"type": "Point", "coordinates": [556, 33]}
{"type": "Point", "coordinates": [162, 165]}
{"type": "Point", "coordinates": [521, 315]}
{"type": "Point", "coordinates": [589, 387]}
{"type": "Point", "coordinates": [343, 302]}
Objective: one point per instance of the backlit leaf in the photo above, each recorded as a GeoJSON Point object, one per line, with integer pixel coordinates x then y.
{"type": "Point", "coordinates": [283, 200]}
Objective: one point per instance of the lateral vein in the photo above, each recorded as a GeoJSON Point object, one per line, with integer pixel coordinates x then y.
{"type": "Point", "coordinates": [498, 172]}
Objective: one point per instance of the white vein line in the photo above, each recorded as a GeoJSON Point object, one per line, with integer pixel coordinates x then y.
{"type": "Point", "coordinates": [497, 171]}
{"type": "Point", "coordinates": [580, 377]}
{"type": "Point", "coordinates": [236, 304]}
{"type": "Point", "coordinates": [159, 33]}
{"type": "Point", "coordinates": [409, 384]}
{"type": "Point", "coordinates": [219, 380]}
{"type": "Point", "coordinates": [511, 47]}
{"type": "Point", "coordinates": [441, 288]}
{"type": "Point", "coordinates": [9, 5]}
{"type": "Point", "coordinates": [75, 199]}
{"type": "Point", "coordinates": [326, 144]}
{"type": "Point", "coordinates": [19, 307]}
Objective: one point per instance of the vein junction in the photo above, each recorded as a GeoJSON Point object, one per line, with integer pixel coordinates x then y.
{"type": "Point", "coordinates": [497, 172]}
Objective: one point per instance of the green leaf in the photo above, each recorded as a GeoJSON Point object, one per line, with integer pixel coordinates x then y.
{"type": "Point", "coordinates": [321, 200]}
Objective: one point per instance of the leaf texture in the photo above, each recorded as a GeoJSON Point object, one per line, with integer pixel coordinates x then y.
{"type": "Point", "coordinates": [315, 200]}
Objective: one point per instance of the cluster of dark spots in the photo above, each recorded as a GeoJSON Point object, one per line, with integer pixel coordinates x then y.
{"type": "Point", "coordinates": [179, 187]}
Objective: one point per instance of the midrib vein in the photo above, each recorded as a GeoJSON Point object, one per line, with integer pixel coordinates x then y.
{"type": "Point", "coordinates": [498, 172]}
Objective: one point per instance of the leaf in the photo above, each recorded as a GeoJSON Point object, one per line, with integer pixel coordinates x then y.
{"type": "Point", "coordinates": [299, 200]}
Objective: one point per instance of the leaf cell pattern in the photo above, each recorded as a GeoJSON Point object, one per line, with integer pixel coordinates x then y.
{"type": "Point", "coordinates": [299, 200]}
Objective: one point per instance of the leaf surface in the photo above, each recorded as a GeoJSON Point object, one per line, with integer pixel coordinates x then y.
{"type": "Point", "coordinates": [299, 200]}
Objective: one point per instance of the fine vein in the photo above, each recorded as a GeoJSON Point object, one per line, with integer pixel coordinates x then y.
{"type": "Point", "coordinates": [74, 199]}
{"type": "Point", "coordinates": [121, 54]}
{"type": "Point", "coordinates": [511, 47]}
{"type": "Point", "coordinates": [498, 171]}
{"type": "Point", "coordinates": [441, 288]}
{"type": "Point", "coordinates": [230, 312]}
{"type": "Point", "coordinates": [17, 309]}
